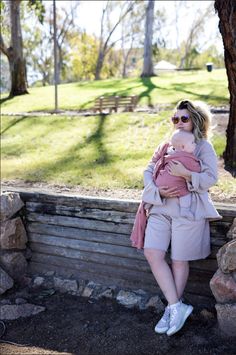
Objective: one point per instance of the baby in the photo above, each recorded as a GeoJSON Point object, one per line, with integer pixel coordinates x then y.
{"type": "Point", "coordinates": [181, 149]}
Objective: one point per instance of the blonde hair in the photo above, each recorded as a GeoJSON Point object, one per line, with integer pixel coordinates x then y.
{"type": "Point", "coordinates": [200, 115]}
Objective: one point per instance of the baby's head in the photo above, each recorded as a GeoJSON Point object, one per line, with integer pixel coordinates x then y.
{"type": "Point", "coordinates": [183, 141]}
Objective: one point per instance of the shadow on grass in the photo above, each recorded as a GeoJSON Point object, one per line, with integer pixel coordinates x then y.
{"type": "Point", "coordinates": [17, 120]}
{"type": "Point", "coordinates": [203, 97]}
{"type": "Point", "coordinates": [6, 99]}
{"type": "Point", "coordinates": [96, 139]}
{"type": "Point", "coordinates": [147, 82]}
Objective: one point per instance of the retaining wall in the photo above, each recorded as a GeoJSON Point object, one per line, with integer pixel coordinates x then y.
{"type": "Point", "coordinates": [87, 238]}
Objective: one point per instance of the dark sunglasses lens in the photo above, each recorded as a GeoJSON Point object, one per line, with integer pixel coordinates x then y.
{"type": "Point", "coordinates": [184, 119]}
{"type": "Point", "coordinates": [175, 120]}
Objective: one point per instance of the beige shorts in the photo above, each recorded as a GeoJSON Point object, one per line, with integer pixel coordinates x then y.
{"type": "Point", "coordinates": [188, 240]}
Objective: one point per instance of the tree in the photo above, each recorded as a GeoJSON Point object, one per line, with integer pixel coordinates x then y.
{"type": "Point", "coordinates": [108, 29]}
{"type": "Point", "coordinates": [131, 34]}
{"type": "Point", "coordinates": [147, 58]}
{"type": "Point", "coordinates": [190, 47]}
{"type": "Point", "coordinates": [14, 52]}
{"type": "Point", "coordinates": [227, 23]}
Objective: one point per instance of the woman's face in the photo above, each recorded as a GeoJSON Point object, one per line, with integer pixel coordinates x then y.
{"type": "Point", "coordinates": [181, 123]}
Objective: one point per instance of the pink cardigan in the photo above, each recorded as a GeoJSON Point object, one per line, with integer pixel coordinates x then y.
{"type": "Point", "coordinates": [138, 232]}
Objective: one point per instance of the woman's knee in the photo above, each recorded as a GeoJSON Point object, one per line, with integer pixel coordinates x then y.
{"type": "Point", "coordinates": [154, 255]}
{"type": "Point", "coordinates": [179, 264]}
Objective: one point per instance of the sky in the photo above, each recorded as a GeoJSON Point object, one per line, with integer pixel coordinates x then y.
{"type": "Point", "coordinates": [89, 14]}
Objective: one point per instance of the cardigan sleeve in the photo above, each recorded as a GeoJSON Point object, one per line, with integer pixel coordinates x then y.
{"type": "Point", "coordinates": [201, 182]}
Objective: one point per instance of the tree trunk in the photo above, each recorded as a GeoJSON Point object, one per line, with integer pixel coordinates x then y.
{"type": "Point", "coordinates": [227, 15]}
{"type": "Point", "coordinates": [99, 65]}
{"type": "Point", "coordinates": [15, 57]}
{"type": "Point", "coordinates": [147, 59]}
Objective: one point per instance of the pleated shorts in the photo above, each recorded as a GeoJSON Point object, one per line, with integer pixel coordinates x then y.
{"type": "Point", "coordinates": [187, 239]}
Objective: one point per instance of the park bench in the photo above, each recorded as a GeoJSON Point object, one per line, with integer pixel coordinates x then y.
{"type": "Point", "coordinates": [114, 102]}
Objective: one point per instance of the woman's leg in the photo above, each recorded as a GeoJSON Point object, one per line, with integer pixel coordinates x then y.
{"type": "Point", "coordinates": [180, 271]}
{"type": "Point", "coordinates": [162, 273]}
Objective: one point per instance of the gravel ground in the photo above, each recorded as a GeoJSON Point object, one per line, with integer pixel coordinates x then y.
{"type": "Point", "coordinates": [83, 326]}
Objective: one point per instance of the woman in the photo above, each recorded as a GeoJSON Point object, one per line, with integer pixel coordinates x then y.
{"type": "Point", "coordinates": [189, 239]}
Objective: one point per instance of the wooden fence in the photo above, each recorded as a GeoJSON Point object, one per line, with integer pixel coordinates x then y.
{"type": "Point", "coordinates": [87, 238]}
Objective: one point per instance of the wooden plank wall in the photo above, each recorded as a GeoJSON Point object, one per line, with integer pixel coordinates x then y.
{"type": "Point", "coordinates": [88, 238]}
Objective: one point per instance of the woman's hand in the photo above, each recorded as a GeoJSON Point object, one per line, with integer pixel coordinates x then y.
{"type": "Point", "coordinates": [178, 169]}
{"type": "Point", "coordinates": [168, 192]}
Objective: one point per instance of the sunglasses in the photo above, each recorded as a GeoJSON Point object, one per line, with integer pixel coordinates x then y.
{"type": "Point", "coordinates": [184, 119]}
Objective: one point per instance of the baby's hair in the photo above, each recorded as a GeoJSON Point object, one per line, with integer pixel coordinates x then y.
{"type": "Point", "coordinates": [179, 135]}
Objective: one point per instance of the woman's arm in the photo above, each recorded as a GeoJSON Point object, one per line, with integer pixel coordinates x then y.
{"type": "Point", "coordinates": [202, 181]}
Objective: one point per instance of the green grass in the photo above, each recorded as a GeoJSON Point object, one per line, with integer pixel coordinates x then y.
{"type": "Point", "coordinates": [168, 88]}
{"type": "Point", "coordinates": [100, 151]}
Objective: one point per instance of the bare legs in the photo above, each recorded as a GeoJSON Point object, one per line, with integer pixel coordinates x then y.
{"type": "Point", "coordinates": [172, 282]}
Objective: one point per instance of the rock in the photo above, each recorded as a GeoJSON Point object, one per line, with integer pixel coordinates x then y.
{"type": "Point", "coordinates": [6, 281]}
{"type": "Point", "coordinates": [20, 300]}
{"type": "Point", "coordinates": [38, 281]}
{"type": "Point", "coordinates": [156, 303]}
{"type": "Point", "coordinates": [207, 314]}
{"type": "Point", "coordinates": [232, 231]}
{"type": "Point", "coordinates": [13, 234]}
{"type": "Point", "coordinates": [88, 289]}
{"type": "Point", "coordinates": [63, 285]}
{"type": "Point", "coordinates": [14, 264]}
{"type": "Point", "coordinates": [128, 299]}
{"type": "Point", "coordinates": [226, 316]}
{"type": "Point", "coordinates": [226, 257]}
{"type": "Point", "coordinates": [223, 287]}
{"type": "Point", "coordinates": [108, 293]}
{"type": "Point", "coordinates": [10, 312]}
{"type": "Point", "coordinates": [10, 204]}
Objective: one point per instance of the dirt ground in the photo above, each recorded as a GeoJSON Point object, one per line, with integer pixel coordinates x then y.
{"type": "Point", "coordinates": [84, 326]}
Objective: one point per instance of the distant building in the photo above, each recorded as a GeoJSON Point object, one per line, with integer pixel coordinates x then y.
{"type": "Point", "coordinates": [164, 65]}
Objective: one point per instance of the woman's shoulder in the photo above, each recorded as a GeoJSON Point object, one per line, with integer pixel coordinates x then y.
{"type": "Point", "coordinates": [204, 146]}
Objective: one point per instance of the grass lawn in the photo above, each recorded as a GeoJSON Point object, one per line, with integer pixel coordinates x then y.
{"type": "Point", "coordinates": [100, 151]}
{"type": "Point", "coordinates": [167, 88]}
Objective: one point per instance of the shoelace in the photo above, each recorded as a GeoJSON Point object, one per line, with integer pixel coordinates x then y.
{"type": "Point", "coordinates": [166, 314]}
{"type": "Point", "coordinates": [173, 314]}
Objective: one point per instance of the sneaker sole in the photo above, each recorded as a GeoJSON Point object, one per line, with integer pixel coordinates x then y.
{"type": "Point", "coordinates": [161, 331]}
{"type": "Point", "coordinates": [187, 314]}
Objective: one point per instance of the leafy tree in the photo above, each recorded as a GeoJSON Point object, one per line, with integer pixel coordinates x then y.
{"type": "Point", "coordinates": [227, 15]}
{"type": "Point", "coordinates": [108, 28]}
{"type": "Point", "coordinates": [14, 51]}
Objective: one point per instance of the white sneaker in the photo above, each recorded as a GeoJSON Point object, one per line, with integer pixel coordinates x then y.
{"type": "Point", "coordinates": [178, 316]}
{"type": "Point", "coordinates": [163, 325]}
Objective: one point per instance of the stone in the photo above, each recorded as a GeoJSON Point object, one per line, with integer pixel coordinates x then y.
{"type": "Point", "coordinates": [13, 234]}
{"type": "Point", "coordinates": [223, 287]}
{"type": "Point", "coordinates": [88, 289]}
{"type": "Point", "coordinates": [6, 281]}
{"type": "Point", "coordinates": [20, 300]}
{"type": "Point", "coordinates": [64, 285]}
{"type": "Point", "coordinates": [128, 299]}
{"type": "Point", "coordinates": [232, 231]}
{"type": "Point", "coordinates": [38, 281]}
{"type": "Point", "coordinates": [10, 312]}
{"type": "Point", "coordinates": [226, 316]}
{"type": "Point", "coordinates": [155, 302]}
{"type": "Point", "coordinates": [10, 203]}
{"type": "Point", "coordinates": [226, 257]}
{"type": "Point", "coordinates": [109, 292]}
{"type": "Point", "coordinates": [14, 263]}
